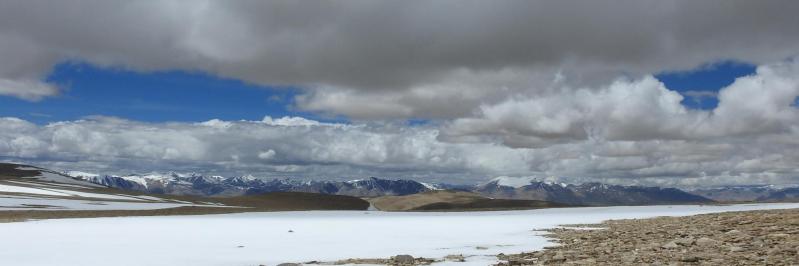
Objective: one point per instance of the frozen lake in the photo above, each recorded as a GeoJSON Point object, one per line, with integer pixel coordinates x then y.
{"type": "Point", "coordinates": [264, 238]}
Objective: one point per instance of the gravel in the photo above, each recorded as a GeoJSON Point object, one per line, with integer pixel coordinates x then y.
{"type": "Point", "coordinates": [733, 238]}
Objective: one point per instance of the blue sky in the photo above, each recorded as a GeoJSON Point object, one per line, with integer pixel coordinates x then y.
{"type": "Point", "coordinates": [707, 78]}
{"type": "Point", "coordinates": [152, 97]}
{"type": "Point", "coordinates": [194, 96]}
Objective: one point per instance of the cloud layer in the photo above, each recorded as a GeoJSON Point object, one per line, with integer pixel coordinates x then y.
{"type": "Point", "coordinates": [639, 110]}
{"type": "Point", "coordinates": [284, 147]}
{"type": "Point", "coordinates": [560, 88]}
{"type": "Point", "coordinates": [632, 131]}
{"type": "Point", "coordinates": [396, 59]}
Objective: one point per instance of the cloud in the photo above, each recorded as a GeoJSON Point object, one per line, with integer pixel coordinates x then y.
{"type": "Point", "coordinates": [267, 154]}
{"type": "Point", "coordinates": [397, 59]}
{"type": "Point", "coordinates": [635, 110]}
{"type": "Point", "coordinates": [558, 89]}
{"type": "Point", "coordinates": [305, 148]}
{"type": "Point", "coordinates": [27, 89]}
{"type": "Point", "coordinates": [345, 151]}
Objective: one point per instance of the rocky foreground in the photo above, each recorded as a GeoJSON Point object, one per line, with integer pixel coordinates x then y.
{"type": "Point", "coordinates": [733, 238]}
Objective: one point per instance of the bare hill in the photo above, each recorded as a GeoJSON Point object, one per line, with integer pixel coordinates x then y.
{"type": "Point", "coordinates": [444, 200]}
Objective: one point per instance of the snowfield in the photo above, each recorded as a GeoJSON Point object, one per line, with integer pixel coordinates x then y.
{"type": "Point", "coordinates": [264, 238]}
{"type": "Point", "coordinates": [19, 196]}
{"type": "Point", "coordinates": [21, 203]}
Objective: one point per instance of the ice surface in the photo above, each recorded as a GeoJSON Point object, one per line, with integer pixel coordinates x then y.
{"type": "Point", "coordinates": [264, 238]}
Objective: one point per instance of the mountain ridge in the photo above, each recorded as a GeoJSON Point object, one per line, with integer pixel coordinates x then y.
{"type": "Point", "coordinates": [589, 194]}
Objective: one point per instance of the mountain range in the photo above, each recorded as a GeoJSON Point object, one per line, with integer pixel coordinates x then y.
{"type": "Point", "coordinates": [588, 194]}
{"type": "Point", "coordinates": [218, 186]}
{"type": "Point", "coordinates": [765, 193]}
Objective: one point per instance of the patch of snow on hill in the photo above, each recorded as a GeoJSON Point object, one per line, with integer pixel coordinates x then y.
{"type": "Point", "coordinates": [80, 174]}
{"type": "Point", "coordinates": [429, 186]}
{"type": "Point", "coordinates": [29, 190]}
{"type": "Point", "coordinates": [12, 203]}
{"type": "Point", "coordinates": [56, 177]}
{"type": "Point", "coordinates": [513, 181]}
{"type": "Point", "coordinates": [62, 193]}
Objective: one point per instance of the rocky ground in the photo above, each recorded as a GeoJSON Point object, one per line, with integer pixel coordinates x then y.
{"type": "Point", "coordinates": [733, 238]}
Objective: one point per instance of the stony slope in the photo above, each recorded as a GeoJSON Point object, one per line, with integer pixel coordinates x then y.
{"type": "Point", "coordinates": [733, 238]}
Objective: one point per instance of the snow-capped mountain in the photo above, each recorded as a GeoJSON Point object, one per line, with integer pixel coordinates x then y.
{"type": "Point", "coordinates": [200, 185]}
{"type": "Point", "coordinates": [592, 194]}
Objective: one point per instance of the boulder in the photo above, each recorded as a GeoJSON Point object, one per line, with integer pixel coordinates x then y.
{"type": "Point", "coordinates": [403, 260]}
{"type": "Point", "coordinates": [705, 242]}
{"type": "Point", "coordinates": [670, 245]}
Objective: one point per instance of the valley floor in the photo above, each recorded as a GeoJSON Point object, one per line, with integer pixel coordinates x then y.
{"type": "Point", "coordinates": [270, 238]}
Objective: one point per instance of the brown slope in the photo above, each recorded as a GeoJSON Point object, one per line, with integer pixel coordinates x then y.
{"type": "Point", "coordinates": [444, 200]}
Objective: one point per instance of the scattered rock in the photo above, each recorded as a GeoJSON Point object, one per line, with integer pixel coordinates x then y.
{"type": "Point", "coordinates": [289, 264]}
{"type": "Point", "coordinates": [687, 241]}
{"type": "Point", "coordinates": [704, 242]}
{"type": "Point", "coordinates": [556, 259]}
{"type": "Point", "coordinates": [736, 249]}
{"type": "Point", "coordinates": [690, 259]}
{"type": "Point", "coordinates": [455, 258]}
{"type": "Point", "coordinates": [403, 260]}
{"type": "Point", "coordinates": [670, 245]}
{"type": "Point", "coordinates": [768, 237]}
{"type": "Point", "coordinates": [778, 235]}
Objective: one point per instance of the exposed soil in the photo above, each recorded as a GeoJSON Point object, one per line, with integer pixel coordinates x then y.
{"type": "Point", "coordinates": [23, 215]}
{"type": "Point", "coordinates": [733, 238]}
{"type": "Point", "coordinates": [293, 201]}
{"type": "Point", "coordinates": [443, 200]}
{"type": "Point", "coordinates": [10, 171]}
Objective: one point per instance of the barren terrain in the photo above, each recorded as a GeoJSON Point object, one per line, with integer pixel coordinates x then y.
{"type": "Point", "coordinates": [734, 238]}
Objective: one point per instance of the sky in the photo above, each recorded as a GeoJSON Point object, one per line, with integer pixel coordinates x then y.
{"type": "Point", "coordinates": [668, 93]}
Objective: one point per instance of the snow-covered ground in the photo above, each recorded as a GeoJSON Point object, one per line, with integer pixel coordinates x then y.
{"type": "Point", "coordinates": [63, 193]}
{"type": "Point", "coordinates": [18, 195]}
{"type": "Point", "coordinates": [54, 177]}
{"type": "Point", "coordinates": [17, 203]}
{"type": "Point", "coordinates": [264, 238]}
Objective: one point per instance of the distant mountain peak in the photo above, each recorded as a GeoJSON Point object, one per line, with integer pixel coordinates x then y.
{"type": "Point", "coordinates": [517, 182]}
